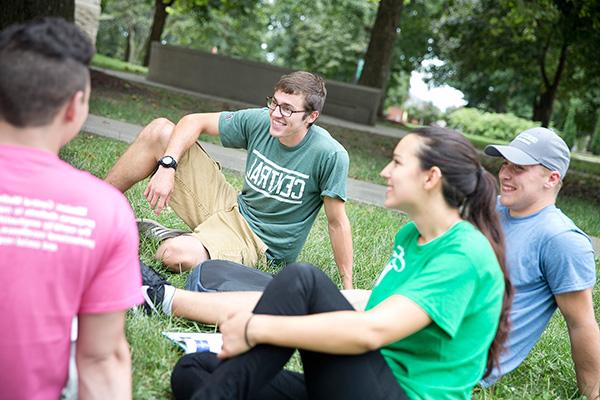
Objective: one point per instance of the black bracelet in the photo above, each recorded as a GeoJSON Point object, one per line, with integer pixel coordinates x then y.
{"type": "Point", "coordinates": [246, 331]}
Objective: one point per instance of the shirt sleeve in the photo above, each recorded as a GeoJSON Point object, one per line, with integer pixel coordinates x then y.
{"type": "Point", "coordinates": [116, 283]}
{"type": "Point", "coordinates": [568, 262]}
{"type": "Point", "coordinates": [443, 290]}
{"type": "Point", "coordinates": [236, 127]}
{"type": "Point", "coordinates": [333, 179]}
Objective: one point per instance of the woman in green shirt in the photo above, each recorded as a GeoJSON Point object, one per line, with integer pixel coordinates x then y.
{"type": "Point", "coordinates": [433, 324]}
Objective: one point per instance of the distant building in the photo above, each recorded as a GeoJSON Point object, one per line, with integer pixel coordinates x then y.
{"type": "Point", "coordinates": [396, 114]}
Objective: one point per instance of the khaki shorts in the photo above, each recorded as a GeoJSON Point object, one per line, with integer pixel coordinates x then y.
{"type": "Point", "coordinates": [207, 203]}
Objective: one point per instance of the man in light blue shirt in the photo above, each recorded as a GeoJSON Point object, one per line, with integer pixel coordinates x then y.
{"type": "Point", "coordinates": [550, 260]}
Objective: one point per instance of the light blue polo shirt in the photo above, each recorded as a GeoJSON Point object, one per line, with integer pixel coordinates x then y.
{"type": "Point", "coordinates": [546, 255]}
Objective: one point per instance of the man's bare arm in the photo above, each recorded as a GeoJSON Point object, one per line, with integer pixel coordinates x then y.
{"type": "Point", "coordinates": [578, 310]}
{"type": "Point", "coordinates": [103, 360]}
{"type": "Point", "coordinates": [186, 132]}
{"type": "Point", "coordinates": [340, 235]}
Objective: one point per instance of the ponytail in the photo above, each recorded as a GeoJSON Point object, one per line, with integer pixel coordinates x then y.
{"type": "Point", "coordinates": [480, 210]}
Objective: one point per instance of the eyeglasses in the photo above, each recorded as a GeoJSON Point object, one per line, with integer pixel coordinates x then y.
{"type": "Point", "coordinates": [285, 109]}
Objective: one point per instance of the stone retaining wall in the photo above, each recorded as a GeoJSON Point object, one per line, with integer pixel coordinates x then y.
{"type": "Point", "coordinates": [250, 81]}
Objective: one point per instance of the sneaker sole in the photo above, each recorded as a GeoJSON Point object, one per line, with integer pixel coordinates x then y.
{"type": "Point", "coordinates": [154, 230]}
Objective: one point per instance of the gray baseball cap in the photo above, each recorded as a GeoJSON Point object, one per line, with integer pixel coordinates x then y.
{"type": "Point", "coordinates": [535, 146]}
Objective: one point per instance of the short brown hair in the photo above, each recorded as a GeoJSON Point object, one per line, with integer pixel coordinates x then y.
{"type": "Point", "coordinates": [42, 64]}
{"type": "Point", "coordinates": [312, 86]}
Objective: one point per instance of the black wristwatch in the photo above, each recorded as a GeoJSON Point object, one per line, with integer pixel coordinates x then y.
{"type": "Point", "coordinates": [168, 162]}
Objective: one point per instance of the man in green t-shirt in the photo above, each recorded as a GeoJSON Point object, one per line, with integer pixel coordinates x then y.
{"type": "Point", "coordinates": [293, 167]}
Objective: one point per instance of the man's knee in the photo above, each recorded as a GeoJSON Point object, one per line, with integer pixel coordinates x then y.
{"type": "Point", "coordinates": [184, 251]}
{"type": "Point", "coordinates": [198, 362]}
{"type": "Point", "coordinates": [157, 132]}
{"type": "Point", "coordinates": [307, 274]}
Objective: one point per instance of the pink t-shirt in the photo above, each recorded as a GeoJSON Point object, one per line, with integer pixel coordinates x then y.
{"type": "Point", "coordinates": [68, 246]}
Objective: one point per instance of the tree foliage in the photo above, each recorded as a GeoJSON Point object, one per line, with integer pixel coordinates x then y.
{"type": "Point", "coordinates": [492, 125]}
{"type": "Point", "coordinates": [319, 35]}
{"type": "Point", "coordinates": [412, 46]}
{"type": "Point", "coordinates": [25, 10]}
{"type": "Point", "coordinates": [515, 55]}
{"type": "Point", "coordinates": [595, 142]}
{"type": "Point", "coordinates": [123, 29]}
{"type": "Point", "coordinates": [569, 131]}
{"type": "Point", "coordinates": [202, 11]}
{"type": "Point", "coordinates": [239, 35]}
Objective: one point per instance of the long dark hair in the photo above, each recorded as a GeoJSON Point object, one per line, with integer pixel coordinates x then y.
{"type": "Point", "coordinates": [467, 186]}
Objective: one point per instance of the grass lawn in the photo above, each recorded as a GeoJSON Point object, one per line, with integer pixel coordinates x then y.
{"type": "Point", "coordinates": [103, 61]}
{"type": "Point", "coordinates": [547, 373]}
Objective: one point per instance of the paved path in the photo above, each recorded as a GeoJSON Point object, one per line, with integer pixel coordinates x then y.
{"type": "Point", "coordinates": [235, 160]}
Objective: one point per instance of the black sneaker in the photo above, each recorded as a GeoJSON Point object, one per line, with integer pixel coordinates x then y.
{"type": "Point", "coordinates": [153, 289]}
{"type": "Point", "coordinates": [153, 298]}
{"type": "Point", "coordinates": [150, 277]}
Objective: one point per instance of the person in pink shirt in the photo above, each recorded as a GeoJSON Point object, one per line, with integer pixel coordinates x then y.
{"type": "Point", "coordinates": [68, 241]}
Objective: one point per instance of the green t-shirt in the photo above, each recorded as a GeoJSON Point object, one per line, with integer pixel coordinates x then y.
{"type": "Point", "coordinates": [457, 281]}
{"type": "Point", "coordinates": [284, 186]}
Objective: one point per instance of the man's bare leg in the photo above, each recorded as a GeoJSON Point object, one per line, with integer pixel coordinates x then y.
{"type": "Point", "coordinates": [211, 308]}
{"type": "Point", "coordinates": [182, 253]}
{"type": "Point", "coordinates": [140, 159]}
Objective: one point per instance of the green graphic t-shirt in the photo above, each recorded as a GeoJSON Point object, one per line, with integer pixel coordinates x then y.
{"type": "Point", "coordinates": [457, 281]}
{"type": "Point", "coordinates": [284, 186]}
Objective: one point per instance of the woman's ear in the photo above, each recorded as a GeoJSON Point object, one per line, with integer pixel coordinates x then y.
{"type": "Point", "coordinates": [433, 177]}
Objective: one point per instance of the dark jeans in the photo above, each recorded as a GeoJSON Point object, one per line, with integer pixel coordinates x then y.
{"type": "Point", "coordinates": [299, 289]}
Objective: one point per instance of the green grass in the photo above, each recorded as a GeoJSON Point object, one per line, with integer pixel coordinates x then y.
{"type": "Point", "coordinates": [546, 374]}
{"type": "Point", "coordinates": [103, 61]}
{"type": "Point", "coordinates": [585, 214]}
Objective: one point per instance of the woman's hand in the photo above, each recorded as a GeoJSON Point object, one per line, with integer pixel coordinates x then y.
{"type": "Point", "coordinates": [235, 334]}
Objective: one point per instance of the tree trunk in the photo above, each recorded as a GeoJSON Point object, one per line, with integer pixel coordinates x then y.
{"type": "Point", "coordinates": [158, 25]}
{"type": "Point", "coordinates": [544, 102]}
{"type": "Point", "coordinates": [25, 10]}
{"type": "Point", "coordinates": [127, 47]}
{"type": "Point", "coordinates": [499, 104]}
{"type": "Point", "coordinates": [378, 59]}
{"type": "Point", "coordinates": [542, 108]}
{"type": "Point", "coordinates": [130, 49]}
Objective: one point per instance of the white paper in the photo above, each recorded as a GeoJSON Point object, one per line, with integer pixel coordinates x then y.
{"type": "Point", "coordinates": [192, 342]}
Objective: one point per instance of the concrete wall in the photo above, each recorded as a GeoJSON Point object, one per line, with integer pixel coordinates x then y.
{"type": "Point", "coordinates": [250, 81]}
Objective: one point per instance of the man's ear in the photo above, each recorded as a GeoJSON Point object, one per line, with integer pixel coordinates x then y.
{"type": "Point", "coordinates": [74, 106]}
{"type": "Point", "coordinates": [312, 117]}
{"type": "Point", "coordinates": [433, 177]}
{"type": "Point", "coordinates": [553, 180]}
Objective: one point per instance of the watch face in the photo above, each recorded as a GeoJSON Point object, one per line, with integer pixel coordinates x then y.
{"type": "Point", "coordinates": [168, 162]}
